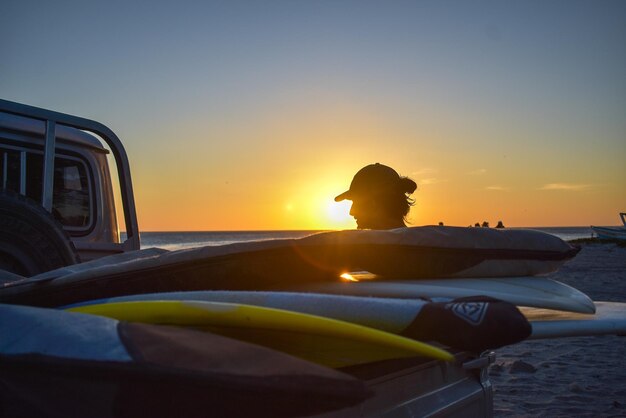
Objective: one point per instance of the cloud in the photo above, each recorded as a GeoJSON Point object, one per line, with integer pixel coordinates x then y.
{"type": "Point", "coordinates": [423, 172]}
{"type": "Point", "coordinates": [478, 172]}
{"type": "Point", "coordinates": [572, 187]}
{"type": "Point", "coordinates": [497, 188]}
{"type": "Point", "coordinates": [425, 182]}
{"type": "Point", "coordinates": [424, 176]}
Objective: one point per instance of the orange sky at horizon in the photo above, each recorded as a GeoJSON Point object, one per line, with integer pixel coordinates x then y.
{"type": "Point", "coordinates": [256, 191]}
{"type": "Point", "coordinates": [318, 211]}
{"type": "Point", "coordinates": [281, 166]}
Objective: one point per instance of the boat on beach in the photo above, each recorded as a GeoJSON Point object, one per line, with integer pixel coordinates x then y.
{"type": "Point", "coordinates": [612, 233]}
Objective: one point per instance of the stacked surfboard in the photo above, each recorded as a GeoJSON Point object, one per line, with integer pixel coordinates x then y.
{"type": "Point", "coordinates": [337, 299]}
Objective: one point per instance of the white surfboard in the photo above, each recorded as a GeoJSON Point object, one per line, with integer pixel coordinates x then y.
{"type": "Point", "coordinates": [322, 340]}
{"type": "Point", "coordinates": [472, 325]}
{"type": "Point", "coordinates": [391, 315]}
{"type": "Point", "coordinates": [537, 292]}
{"type": "Point", "coordinates": [609, 319]}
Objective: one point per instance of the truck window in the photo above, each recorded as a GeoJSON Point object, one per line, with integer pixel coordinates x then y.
{"type": "Point", "coordinates": [10, 170]}
{"type": "Point", "coordinates": [70, 200]}
{"type": "Point", "coordinates": [71, 196]}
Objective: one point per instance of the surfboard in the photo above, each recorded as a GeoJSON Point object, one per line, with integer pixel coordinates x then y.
{"type": "Point", "coordinates": [320, 340]}
{"type": "Point", "coordinates": [71, 364]}
{"type": "Point", "coordinates": [472, 325]}
{"type": "Point", "coordinates": [385, 314]}
{"type": "Point", "coordinates": [609, 319]}
{"type": "Point", "coordinates": [402, 253]}
{"type": "Point", "coordinates": [538, 292]}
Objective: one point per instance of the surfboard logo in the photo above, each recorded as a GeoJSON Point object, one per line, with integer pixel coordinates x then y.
{"type": "Point", "coordinates": [471, 312]}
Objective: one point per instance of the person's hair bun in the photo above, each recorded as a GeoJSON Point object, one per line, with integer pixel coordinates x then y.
{"type": "Point", "coordinates": [407, 185]}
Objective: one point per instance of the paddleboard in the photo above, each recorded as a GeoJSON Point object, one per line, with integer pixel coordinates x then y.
{"type": "Point", "coordinates": [320, 340]}
{"type": "Point", "coordinates": [538, 292]}
{"type": "Point", "coordinates": [473, 325]}
{"type": "Point", "coordinates": [609, 319]}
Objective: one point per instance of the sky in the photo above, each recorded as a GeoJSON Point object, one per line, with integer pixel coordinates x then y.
{"type": "Point", "coordinates": [253, 115]}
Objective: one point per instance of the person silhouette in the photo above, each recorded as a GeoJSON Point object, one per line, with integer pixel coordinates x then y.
{"type": "Point", "coordinates": [380, 197]}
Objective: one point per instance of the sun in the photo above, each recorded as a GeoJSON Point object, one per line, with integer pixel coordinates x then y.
{"type": "Point", "coordinates": [338, 213]}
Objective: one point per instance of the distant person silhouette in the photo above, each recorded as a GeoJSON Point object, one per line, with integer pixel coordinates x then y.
{"type": "Point", "coordinates": [500, 225]}
{"type": "Point", "coordinates": [380, 197]}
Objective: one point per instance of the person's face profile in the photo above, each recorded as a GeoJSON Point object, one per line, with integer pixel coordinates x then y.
{"type": "Point", "coordinates": [364, 210]}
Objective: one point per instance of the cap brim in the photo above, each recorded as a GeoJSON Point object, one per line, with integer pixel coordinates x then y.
{"type": "Point", "coordinates": [343, 196]}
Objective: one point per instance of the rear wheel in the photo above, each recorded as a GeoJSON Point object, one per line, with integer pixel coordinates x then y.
{"type": "Point", "coordinates": [31, 240]}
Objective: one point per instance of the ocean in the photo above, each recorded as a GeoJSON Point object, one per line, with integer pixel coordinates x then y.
{"type": "Point", "coordinates": [181, 240]}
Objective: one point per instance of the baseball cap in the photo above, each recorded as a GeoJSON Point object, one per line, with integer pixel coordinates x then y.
{"type": "Point", "coordinates": [370, 178]}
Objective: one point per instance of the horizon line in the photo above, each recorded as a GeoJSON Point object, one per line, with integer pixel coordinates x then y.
{"type": "Point", "coordinates": [351, 229]}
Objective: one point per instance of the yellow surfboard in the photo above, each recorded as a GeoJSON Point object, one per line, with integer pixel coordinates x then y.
{"type": "Point", "coordinates": [321, 340]}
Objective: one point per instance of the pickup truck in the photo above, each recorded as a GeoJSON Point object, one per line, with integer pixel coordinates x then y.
{"type": "Point", "coordinates": [57, 208]}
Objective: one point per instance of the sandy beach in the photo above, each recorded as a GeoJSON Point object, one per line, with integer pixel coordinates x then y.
{"type": "Point", "coordinates": [570, 377]}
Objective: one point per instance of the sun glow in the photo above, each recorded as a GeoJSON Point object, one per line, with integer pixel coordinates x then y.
{"type": "Point", "coordinates": [339, 212]}
{"type": "Point", "coordinates": [309, 202]}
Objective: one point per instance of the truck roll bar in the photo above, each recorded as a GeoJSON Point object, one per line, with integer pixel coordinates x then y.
{"type": "Point", "coordinates": [51, 120]}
